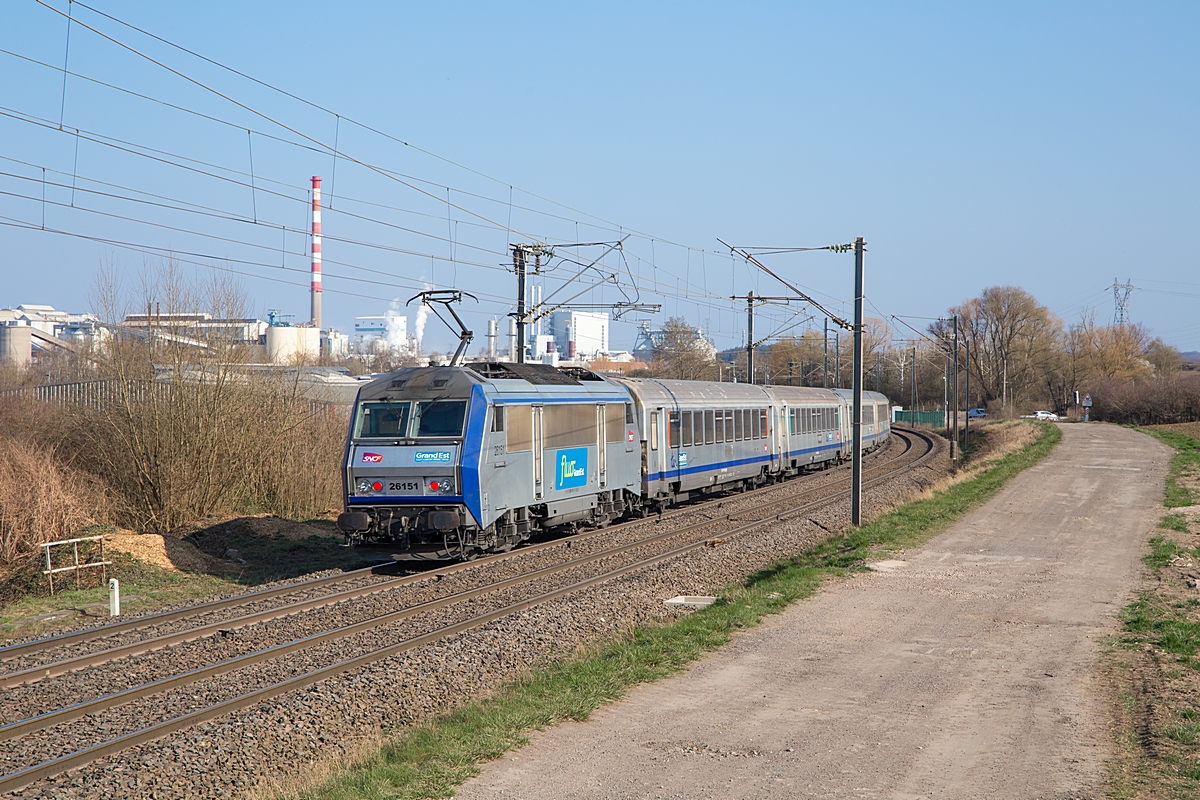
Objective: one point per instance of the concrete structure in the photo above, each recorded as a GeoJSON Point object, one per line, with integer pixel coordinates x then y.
{"type": "Point", "coordinates": [290, 344]}
{"type": "Point", "coordinates": [580, 334]}
{"type": "Point", "coordinates": [16, 345]}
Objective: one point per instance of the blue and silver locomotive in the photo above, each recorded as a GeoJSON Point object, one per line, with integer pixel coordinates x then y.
{"type": "Point", "coordinates": [476, 458]}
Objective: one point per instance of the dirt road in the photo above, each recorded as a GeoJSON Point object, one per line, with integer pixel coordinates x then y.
{"type": "Point", "coordinates": [964, 669]}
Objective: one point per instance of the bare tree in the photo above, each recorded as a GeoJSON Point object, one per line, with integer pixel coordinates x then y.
{"type": "Point", "coordinates": [1014, 344]}
{"type": "Point", "coordinates": [684, 354]}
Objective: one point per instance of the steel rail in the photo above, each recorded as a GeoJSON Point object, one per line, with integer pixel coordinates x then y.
{"type": "Point", "coordinates": [72, 760]}
{"type": "Point", "coordinates": [84, 661]}
{"type": "Point", "coordinates": [87, 634]}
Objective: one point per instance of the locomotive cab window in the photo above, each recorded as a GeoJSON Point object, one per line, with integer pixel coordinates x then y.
{"type": "Point", "coordinates": [382, 420]}
{"type": "Point", "coordinates": [497, 419]}
{"type": "Point", "coordinates": [440, 418]}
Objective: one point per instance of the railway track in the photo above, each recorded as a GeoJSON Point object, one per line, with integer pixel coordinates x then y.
{"type": "Point", "coordinates": [572, 565]}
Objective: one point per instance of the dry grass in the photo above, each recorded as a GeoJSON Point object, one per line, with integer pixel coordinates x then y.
{"type": "Point", "coordinates": [1191, 429]}
{"type": "Point", "coordinates": [41, 499]}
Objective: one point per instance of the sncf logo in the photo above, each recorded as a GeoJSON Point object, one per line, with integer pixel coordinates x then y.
{"type": "Point", "coordinates": [372, 458]}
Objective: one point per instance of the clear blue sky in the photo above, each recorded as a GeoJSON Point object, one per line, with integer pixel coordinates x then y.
{"type": "Point", "coordinates": [1049, 146]}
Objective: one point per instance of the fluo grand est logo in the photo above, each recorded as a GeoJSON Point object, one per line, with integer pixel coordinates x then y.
{"type": "Point", "coordinates": [571, 468]}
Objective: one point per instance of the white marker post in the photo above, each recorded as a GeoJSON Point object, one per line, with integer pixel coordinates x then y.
{"type": "Point", "coordinates": [114, 597]}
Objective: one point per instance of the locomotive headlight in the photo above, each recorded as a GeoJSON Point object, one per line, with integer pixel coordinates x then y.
{"type": "Point", "coordinates": [364, 486]}
{"type": "Point", "coordinates": [441, 485]}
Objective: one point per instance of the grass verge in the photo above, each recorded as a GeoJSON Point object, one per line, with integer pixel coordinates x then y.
{"type": "Point", "coordinates": [1184, 471]}
{"type": "Point", "coordinates": [1154, 661]}
{"type": "Point", "coordinates": [431, 760]}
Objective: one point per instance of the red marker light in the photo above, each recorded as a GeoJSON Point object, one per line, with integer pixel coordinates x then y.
{"type": "Point", "coordinates": [434, 485]}
{"type": "Point", "coordinates": [377, 486]}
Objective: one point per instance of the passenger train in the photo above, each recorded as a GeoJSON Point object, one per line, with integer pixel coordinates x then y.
{"type": "Point", "coordinates": [458, 461]}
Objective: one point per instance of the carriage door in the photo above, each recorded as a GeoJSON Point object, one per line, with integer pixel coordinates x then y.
{"type": "Point", "coordinates": [602, 444]}
{"type": "Point", "coordinates": [655, 449]}
{"type": "Point", "coordinates": [539, 441]}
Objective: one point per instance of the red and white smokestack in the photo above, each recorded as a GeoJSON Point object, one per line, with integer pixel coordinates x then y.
{"type": "Point", "coordinates": [316, 252]}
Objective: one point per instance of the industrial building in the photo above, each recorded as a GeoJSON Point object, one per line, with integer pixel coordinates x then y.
{"type": "Point", "coordinates": [580, 335]}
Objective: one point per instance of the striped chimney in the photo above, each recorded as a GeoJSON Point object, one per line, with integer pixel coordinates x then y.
{"type": "Point", "coordinates": [316, 252]}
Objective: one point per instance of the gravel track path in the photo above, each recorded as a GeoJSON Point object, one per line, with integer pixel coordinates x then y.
{"type": "Point", "coordinates": [278, 739]}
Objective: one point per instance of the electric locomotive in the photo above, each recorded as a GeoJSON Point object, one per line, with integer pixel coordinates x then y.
{"type": "Point", "coordinates": [465, 459]}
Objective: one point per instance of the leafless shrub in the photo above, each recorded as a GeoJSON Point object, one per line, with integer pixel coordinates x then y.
{"type": "Point", "coordinates": [1175, 398]}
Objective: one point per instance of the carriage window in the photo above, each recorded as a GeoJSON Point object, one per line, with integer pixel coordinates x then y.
{"type": "Point", "coordinates": [720, 427]}
{"type": "Point", "coordinates": [497, 419]}
{"type": "Point", "coordinates": [737, 425]}
{"type": "Point", "coordinates": [708, 427]}
{"type": "Point", "coordinates": [629, 413]}
{"type": "Point", "coordinates": [687, 429]}
{"type": "Point", "coordinates": [673, 429]}
{"type": "Point", "coordinates": [868, 415]}
{"type": "Point", "coordinates": [653, 430]}
{"type": "Point", "coordinates": [764, 423]}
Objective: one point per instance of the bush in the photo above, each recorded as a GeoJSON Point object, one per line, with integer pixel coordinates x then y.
{"type": "Point", "coordinates": [1161, 401]}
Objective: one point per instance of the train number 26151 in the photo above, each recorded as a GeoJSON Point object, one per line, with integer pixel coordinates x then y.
{"type": "Point", "coordinates": [404, 486]}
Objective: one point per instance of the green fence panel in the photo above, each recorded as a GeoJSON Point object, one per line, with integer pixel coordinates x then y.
{"type": "Point", "coordinates": [935, 418]}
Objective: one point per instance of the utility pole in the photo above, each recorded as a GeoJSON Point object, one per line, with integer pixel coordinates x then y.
{"type": "Point", "coordinates": [856, 458]}
{"type": "Point", "coordinates": [750, 337]}
{"type": "Point", "coordinates": [967, 393]}
{"type": "Point", "coordinates": [953, 449]}
{"type": "Point", "coordinates": [751, 298]}
{"type": "Point", "coordinates": [913, 417]}
{"type": "Point", "coordinates": [825, 356]}
{"type": "Point", "coordinates": [520, 254]}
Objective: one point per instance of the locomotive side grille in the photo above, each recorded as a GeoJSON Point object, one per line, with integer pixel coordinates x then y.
{"type": "Point", "coordinates": [570, 425]}
{"type": "Point", "coordinates": [519, 435]}
{"type": "Point", "coordinates": [614, 426]}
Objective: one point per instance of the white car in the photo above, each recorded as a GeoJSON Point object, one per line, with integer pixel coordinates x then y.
{"type": "Point", "coordinates": [1045, 416]}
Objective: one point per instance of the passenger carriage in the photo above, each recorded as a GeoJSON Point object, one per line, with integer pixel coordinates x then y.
{"type": "Point", "coordinates": [876, 417]}
{"type": "Point", "coordinates": [701, 436]}
{"type": "Point", "coordinates": [811, 427]}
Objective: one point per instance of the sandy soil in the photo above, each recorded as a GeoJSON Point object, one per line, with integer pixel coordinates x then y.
{"type": "Point", "coordinates": [966, 668]}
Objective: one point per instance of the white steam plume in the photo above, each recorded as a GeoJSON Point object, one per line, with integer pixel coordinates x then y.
{"type": "Point", "coordinates": [422, 316]}
{"type": "Point", "coordinates": [397, 327]}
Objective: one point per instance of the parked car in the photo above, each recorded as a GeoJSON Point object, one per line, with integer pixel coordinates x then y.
{"type": "Point", "coordinates": [976, 413]}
